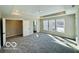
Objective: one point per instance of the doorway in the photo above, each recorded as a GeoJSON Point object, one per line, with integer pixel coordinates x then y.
{"type": "Point", "coordinates": [14, 29]}
{"type": "Point", "coordinates": [26, 29]}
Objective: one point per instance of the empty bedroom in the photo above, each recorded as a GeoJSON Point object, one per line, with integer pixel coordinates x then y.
{"type": "Point", "coordinates": [39, 29]}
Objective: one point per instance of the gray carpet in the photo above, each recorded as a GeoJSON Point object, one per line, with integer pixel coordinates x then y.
{"type": "Point", "coordinates": [38, 43]}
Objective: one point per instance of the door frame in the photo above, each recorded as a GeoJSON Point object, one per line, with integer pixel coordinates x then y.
{"type": "Point", "coordinates": [4, 31]}
{"type": "Point", "coordinates": [1, 27]}
{"type": "Point", "coordinates": [21, 28]}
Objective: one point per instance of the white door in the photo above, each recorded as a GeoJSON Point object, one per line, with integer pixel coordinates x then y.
{"type": "Point", "coordinates": [26, 27]}
{"type": "Point", "coordinates": [4, 31]}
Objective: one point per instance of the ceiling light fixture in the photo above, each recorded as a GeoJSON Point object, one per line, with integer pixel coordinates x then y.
{"type": "Point", "coordinates": [40, 11]}
{"type": "Point", "coordinates": [16, 12]}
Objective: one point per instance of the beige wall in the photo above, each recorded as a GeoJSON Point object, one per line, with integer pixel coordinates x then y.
{"type": "Point", "coordinates": [13, 27]}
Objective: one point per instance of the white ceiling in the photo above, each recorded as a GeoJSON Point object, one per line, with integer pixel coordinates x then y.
{"type": "Point", "coordinates": [35, 10]}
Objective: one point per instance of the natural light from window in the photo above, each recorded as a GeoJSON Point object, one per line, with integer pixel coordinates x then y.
{"type": "Point", "coordinates": [57, 25]}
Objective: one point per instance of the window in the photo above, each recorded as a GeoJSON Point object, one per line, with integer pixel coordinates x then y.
{"type": "Point", "coordinates": [54, 25]}
{"type": "Point", "coordinates": [60, 25]}
{"type": "Point", "coordinates": [51, 25]}
{"type": "Point", "coordinates": [45, 25]}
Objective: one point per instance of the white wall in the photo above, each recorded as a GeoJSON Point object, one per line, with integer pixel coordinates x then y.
{"type": "Point", "coordinates": [27, 27]}
{"type": "Point", "coordinates": [0, 30]}
{"type": "Point", "coordinates": [77, 27]}
{"type": "Point", "coordinates": [0, 13]}
{"type": "Point", "coordinates": [76, 11]}
{"type": "Point", "coordinates": [70, 26]}
{"type": "Point", "coordinates": [71, 10]}
{"type": "Point", "coordinates": [38, 25]}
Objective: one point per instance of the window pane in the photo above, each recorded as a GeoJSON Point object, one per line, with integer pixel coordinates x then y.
{"type": "Point", "coordinates": [51, 25]}
{"type": "Point", "coordinates": [60, 25]}
{"type": "Point", "coordinates": [45, 25]}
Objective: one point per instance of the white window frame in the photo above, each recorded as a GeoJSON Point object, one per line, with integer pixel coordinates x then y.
{"type": "Point", "coordinates": [63, 25]}
{"type": "Point", "coordinates": [48, 26]}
